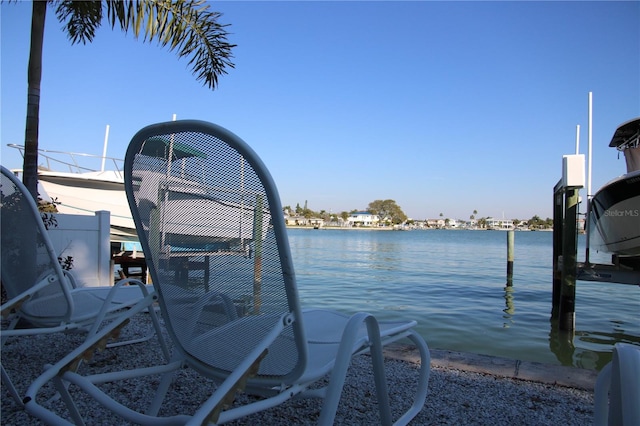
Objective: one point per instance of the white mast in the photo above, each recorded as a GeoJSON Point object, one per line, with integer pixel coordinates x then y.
{"type": "Point", "coordinates": [589, 194]}
{"type": "Point", "coordinates": [588, 215]}
{"type": "Point", "coordinates": [104, 148]}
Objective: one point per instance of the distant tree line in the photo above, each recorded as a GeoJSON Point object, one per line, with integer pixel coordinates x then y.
{"type": "Point", "coordinates": [387, 210]}
{"type": "Point", "coordinates": [391, 213]}
{"type": "Point", "coordinates": [536, 222]}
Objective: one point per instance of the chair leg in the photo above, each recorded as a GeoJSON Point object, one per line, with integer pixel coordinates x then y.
{"type": "Point", "coordinates": [379, 375]}
{"type": "Point", "coordinates": [158, 332]}
{"type": "Point", "coordinates": [161, 392]}
{"type": "Point", "coordinates": [63, 391]}
{"type": "Point", "coordinates": [12, 389]}
{"type": "Point", "coordinates": [343, 359]}
{"type": "Point", "coordinates": [423, 379]}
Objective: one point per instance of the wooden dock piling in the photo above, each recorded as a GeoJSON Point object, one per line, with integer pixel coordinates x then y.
{"type": "Point", "coordinates": [567, 301]}
{"type": "Point", "coordinates": [257, 259]}
{"type": "Point", "coordinates": [565, 254]}
{"type": "Point", "coordinates": [558, 225]}
{"type": "Point", "coordinates": [565, 241]}
{"type": "Point", "coordinates": [510, 248]}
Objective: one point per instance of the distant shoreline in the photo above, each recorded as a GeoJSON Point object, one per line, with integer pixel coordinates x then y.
{"type": "Point", "coordinates": [343, 228]}
{"type": "Point", "coordinates": [389, 228]}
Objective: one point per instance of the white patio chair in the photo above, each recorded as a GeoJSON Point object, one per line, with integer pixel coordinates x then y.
{"type": "Point", "coordinates": [212, 228]}
{"type": "Point", "coordinates": [41, 296]}
{"type": "Point", "coordinates": [617, 391]}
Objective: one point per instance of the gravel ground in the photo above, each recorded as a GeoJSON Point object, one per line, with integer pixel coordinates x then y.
{"type": "Point", "coordinates": [456, 397]}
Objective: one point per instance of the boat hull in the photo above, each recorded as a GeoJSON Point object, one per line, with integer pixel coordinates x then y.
{"type": "Point", "coordinates": [614, 218]}
{"type": "Point", "coordinates": [85, 194]}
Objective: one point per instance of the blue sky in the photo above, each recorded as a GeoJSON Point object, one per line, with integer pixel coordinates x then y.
{"type": "Point", "coordinates": [445, 107]}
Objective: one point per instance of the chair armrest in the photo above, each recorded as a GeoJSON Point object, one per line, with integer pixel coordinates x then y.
{"type": "Point", "coordinates": [71, 278]}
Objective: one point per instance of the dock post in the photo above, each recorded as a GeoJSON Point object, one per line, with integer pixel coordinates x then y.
{"type": "Point", "coordinates": [257, 257]}
{"type": "Point", "coordinates": [566, 314]}
{"type": "Point", "coordinates": [565, 241]}
{"type": "Point", "coordinates": [558, 205]}
{"type": "Point", "coordinates": [510, 244]}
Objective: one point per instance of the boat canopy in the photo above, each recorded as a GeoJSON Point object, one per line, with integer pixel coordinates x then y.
{"type": "Point", "coordinates": [627, 139]}
{"type": "Point", "coordinates": [626, 135]}
{"type": "Point", "coordinates": [159, 147]}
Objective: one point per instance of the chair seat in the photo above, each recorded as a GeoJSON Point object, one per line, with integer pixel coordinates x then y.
{"type": "Point", "coordinates": [219, 347]}
{"type": "Point", "coordinates": [49, 311]}
{"type": "Point", "coordinates": [324, 333]}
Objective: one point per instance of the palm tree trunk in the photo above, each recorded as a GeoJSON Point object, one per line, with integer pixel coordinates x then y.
{"type": "Point", "coordinates": [30, 166]}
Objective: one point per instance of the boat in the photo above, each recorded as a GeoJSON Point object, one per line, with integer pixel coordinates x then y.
{"type": "Point", "coordinates": [614, 210]}
{"type": "Point", "coordinates": [186, 201]}
{"type": "Point", "coordinates": [76, 185]}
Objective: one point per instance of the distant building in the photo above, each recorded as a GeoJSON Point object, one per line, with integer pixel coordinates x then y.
{"type": "Point", "coordinates": [499, 223]}
{"type": "Point", "coordinates": [363, 219]}
{"type": "Point", "coordinates": [298, 220]}
{"type": "Point", "coordinates": [316, 222]}
{"type": "Point", "coordinates": [435, 223]}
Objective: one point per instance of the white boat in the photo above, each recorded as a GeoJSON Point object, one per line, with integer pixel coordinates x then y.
{"type": "Point", "coordinates": [614, 212]}
{"type": "Point", "coordinates": [76, 184]}
{"type": "Point", "coordinates": [84, 191]}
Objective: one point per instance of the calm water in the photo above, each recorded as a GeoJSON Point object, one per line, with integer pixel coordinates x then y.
{"type": "Point", "coordinates": [454, 284]}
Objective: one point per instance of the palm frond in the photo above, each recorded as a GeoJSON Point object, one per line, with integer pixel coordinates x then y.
{"type": "Point", "coordinates": [186, 26]}
{"type": "Point", "coordinates": [80, 19]}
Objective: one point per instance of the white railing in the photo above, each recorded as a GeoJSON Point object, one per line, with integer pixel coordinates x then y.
{"type": "Point", "coordinates": [73, 162]}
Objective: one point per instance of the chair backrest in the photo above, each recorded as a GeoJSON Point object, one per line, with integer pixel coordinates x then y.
{"type": "Point", "coordinates": [212, 229]}
{"type": "Point", "coordinates": [28, 258]}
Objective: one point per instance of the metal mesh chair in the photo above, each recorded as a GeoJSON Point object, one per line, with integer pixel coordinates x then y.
{"type": "Point", "coordinates": [617, 390]}
{"type": "Point", "coordinates": [40, 294]}
{"type": "Point", "coordinates": [210, 222]}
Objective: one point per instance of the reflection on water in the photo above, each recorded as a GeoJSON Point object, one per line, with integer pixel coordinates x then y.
{"type": "Point", "coordinates": [561, 343]}
{"type": "Point", "coordinates": [593, 356]}
{"type": "Point", "coordinates": [510, 308]}
{"type": "Point", "coordinates": [453, 284]}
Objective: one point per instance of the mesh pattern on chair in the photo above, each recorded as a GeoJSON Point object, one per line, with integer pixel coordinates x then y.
{"type": "Point", "coordinates": [211, 249]}
{"type": "Point", "coordinates": [26, 259]}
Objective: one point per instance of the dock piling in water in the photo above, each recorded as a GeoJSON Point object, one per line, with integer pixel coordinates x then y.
{"type": "Point", "coordinates": [565, 241]}
{"type": "Point", "coordinates": [510, 248]}
{"type": "Point", "coordinates": [567, 302]}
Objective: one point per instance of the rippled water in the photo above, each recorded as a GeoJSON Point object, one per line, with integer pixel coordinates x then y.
{"type": "Point", "coordinates": [454, 284]}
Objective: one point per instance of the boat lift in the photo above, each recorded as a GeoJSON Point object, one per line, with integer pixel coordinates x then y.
{"type": "Point", "coordinates": [566, 268]}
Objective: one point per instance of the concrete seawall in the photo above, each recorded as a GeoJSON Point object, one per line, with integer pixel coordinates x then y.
{"type": "Point", "coordinates": [572, 377]}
